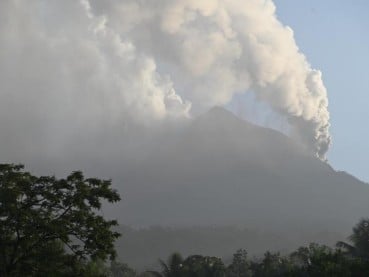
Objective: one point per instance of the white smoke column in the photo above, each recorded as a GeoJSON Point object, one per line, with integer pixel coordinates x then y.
{"type": "Point", "coordinates": [83, 67]}
{"type": "Point", "coordinates": [213, 49]}
{"type": "Point", "coordinates": [74, 59]}
{"type": "Point", "coordinates": [64, 73]}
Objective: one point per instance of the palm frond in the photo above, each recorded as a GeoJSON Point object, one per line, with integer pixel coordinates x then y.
{"type": "Point", "coordinates": [164, 267]}
{"type": "Point", "coordinates": [348, 247]}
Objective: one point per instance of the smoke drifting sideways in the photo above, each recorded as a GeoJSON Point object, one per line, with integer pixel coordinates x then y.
{"type": "Point", "coordinates": [74, 73]}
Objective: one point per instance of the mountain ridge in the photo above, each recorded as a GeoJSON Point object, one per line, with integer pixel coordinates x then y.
{"type": "Point", "coordinates": [221, 171]}
{"type": "Point", "coordinates": [219, 165]}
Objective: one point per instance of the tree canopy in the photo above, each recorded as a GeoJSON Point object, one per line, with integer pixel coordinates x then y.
{"type": "Point", "coordinates": [359, 239]}
{"type": "Point", "coordinates": [54, 221]}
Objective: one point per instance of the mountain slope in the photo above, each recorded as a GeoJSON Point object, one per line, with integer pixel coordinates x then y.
{"type": "Point", "coordinates": [222, 170]}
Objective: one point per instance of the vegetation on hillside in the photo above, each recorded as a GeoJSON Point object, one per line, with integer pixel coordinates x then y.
{"type": "Point", "coordinates": [314, 260]}
{"type": "Point", "coordinates": [52, 227]}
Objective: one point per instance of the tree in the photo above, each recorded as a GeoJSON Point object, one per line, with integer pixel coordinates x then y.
{"type": "Point", "coordinates": [359, 239]}
{"type": "Point", "coordinates": [121, 270]}
{"type": "Point", "coordinates": [240, 266]}
{"type": "Point", "coordinates": [192, 266]}
{"type": "Point", "coordinates": [173, 267]}
{"type": "Point", "coordinates": [203, 266]}
{"type": "Point", "coordinates": [272, 265]}
{"type": "Point", "coordinates": [49, 217]}
{"type": "Point", "coordinates": [320, 260]}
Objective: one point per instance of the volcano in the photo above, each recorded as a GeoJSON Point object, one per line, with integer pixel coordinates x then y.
{"type": "Point", "coordinates": [221, 171]}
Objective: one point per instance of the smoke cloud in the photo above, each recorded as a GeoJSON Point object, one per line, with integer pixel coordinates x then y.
{"type": "Point", "coordinates": [71, 67]}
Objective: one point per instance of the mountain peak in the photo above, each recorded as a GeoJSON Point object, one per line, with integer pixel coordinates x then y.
{"type": "Point", "coordinates": [220, 113]}
{"type": "Point", "coordinates": [219, 116]}
{"type": "Point", "coordinates": [217, 110]}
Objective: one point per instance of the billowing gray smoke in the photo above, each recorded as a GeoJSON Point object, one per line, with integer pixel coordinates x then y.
{"type": "Point", "coordinates": [70, 67]}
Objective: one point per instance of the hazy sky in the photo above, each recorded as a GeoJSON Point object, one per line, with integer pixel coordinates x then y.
{"type": "Point", "coordinates": [334, 37]}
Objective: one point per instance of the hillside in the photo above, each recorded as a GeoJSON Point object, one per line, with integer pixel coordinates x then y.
{"type": "Point", "coordinates": [223, 171]}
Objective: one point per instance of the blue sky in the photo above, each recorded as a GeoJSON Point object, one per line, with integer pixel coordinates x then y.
{"type": "Point", "coordinates": [334, 35]}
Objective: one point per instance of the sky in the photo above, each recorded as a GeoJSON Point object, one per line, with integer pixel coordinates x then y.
{"type": "Point", "coordinates": [334, 37]}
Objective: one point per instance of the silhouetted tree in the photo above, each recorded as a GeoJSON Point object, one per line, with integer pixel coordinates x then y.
{"type": "Point", "coordinates": [240, 266]}
{"type": "Point", "coordinates": [322, 261]}
{"type": "Point", "coordinates": [203, 266]}
{"type": "Point", "coordinates": [173, 267]}
{"type": "Point", "coordinates": [121, 270]}
{"type": "Point", "coordinates": [42, 216]}
{"type": "Point", "coordinates": [359, 239]}
{"type": "Point", "coordinates": [192, 266]}
{"type": "Point", "coordinates": [272, 265]}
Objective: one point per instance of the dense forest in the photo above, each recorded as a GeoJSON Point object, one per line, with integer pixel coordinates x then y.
{"type": "Point", "coordinates": [53, 227]}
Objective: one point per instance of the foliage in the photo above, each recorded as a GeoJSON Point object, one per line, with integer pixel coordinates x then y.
{"type": "Point", "coordinates": [121, 270]}
{"type": "Point", "coordinates": [195, 266]}
{"type": "Point", "coordinates": [273, 264]}
{"type": "Point", "coordinates": [320, 260]}
{"type": "Point", "coordinates": [360, 240]}
{"type": "Point", "coordinates": [42, 216]}
{"type": "Point", "coordinates": [311, 261]}
{"type": "Point", "coordinates": [203, 266]}
{"type": "Point", "coordinates": [240, 265]}
{"type": "Point", "coordinates": [173, 267]}
{"type": "Point", "coordinates": [51, 227]}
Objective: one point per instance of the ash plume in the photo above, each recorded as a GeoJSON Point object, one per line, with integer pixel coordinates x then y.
{"type": "Point", "coordinates": [72, 67]}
